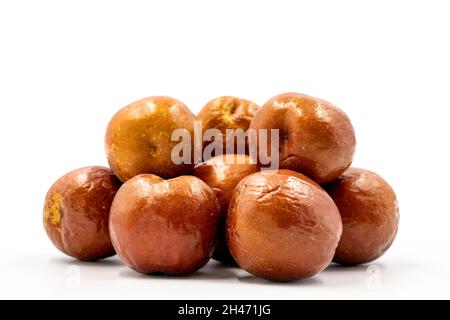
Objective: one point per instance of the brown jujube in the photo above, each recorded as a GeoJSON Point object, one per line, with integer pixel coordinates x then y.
{"type": "Point", "coordinates": [316, 138]}
{"type": "Point", "coordinates": [167, 226]}
{"type": "Point", "coordinates": [222, 174]}
{"type": "Point", "coordinates": [139, 138]}
{"type": "Point", "coordinates": [76, 212]}
{"type": "Point", "coordinates": [227, 113]}
{"type": "Point", "coordinates": [282, 226]}
{"type": "Point", "coordinates": [370, 215]}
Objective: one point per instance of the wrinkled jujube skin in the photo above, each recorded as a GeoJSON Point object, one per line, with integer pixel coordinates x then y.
{"type": "Point", "coordinates": [138, 138]}
{"type": "Point", "coordinates": [164, 226]}
{"type": "Point", "coordinates": [223, 173]}
{"type": "Point", "coordinates": [370, 215]}
{"type": "Point", "coordinates": [316, 138]}
{"type": "Point", "coordinates": [76, 212]}
{"type": "Point", "coordinates": [282, 226]}
{"type": "Point", "coordinates": [227, 113]}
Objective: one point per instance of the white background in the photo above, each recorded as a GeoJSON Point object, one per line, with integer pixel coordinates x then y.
{"type": "Point", "coordinates": [67, 66]}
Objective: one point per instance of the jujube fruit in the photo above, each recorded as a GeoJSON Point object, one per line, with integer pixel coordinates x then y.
{"type": "Point", "coordinates": [167, 226]}
{"type": "Point", "coordinates": [76, 212]}
{"type": "Point", "coordinates": [370, 215]}
{"type": "Point", "coordinates": [282, 226]}
{"type": "Point", "coordinates": [222, 174]}
{"type": "Point", "coordinates": [316, 138]}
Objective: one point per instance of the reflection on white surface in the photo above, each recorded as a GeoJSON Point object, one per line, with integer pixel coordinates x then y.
{"type": "Point", "coordinates": [53, 275]}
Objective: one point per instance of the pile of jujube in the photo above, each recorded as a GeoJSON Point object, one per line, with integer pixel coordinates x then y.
{"type": "Point", "coordinates": [165, 217]}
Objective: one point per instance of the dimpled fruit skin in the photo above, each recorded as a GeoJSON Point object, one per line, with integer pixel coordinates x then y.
{"type": "Point", "coordinates": [223, 173]}
{"type": "Point", "coordinates": [76, 212]}
{"type": "Point", "coordinates": [282, 226]}
{"type": "Point", "coordinates": [316, 138]}
{"type": "Point", "coordinates": [370, 215]}
{"type": "Point", "coordinates": [227, 113]}
{"type": "Point", "coordinates": [138, 138]}
{"type": "Point", "coordinates": [167, 226]}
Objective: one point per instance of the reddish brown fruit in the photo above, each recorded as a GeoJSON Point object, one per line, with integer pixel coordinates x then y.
{"type": "Point", "coordinates": [76, 212]}
{"type": "Point", "coordinates": [167, 226]}
{"type": "Point", "coordinates": [138, 138]}
{"type": "Point", "coordinates": [316, 138]}
{"type": "Point", "coordinates": [227, 113]}
{"type": "Point", "coordinates": [222, 174]}
{"type": "Point", "coordinates": [370, 215]}
{"type": "Point", "coordinates": [282, 226]}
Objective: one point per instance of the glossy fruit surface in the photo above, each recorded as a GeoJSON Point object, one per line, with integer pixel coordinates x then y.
{"type": "Point", "coordinates": [222, 174]}
{"type": "Point", "coordinates": [282, 226]}
{"type": "Point", "coordinates": [227, 113]}
{"type": "Point", "coordinates": [316, 138]}
{"type": "Point", "coordinates": [76, 212]}
{"type": "Point", "coordinates": [370, 215]}
{"type": "Point", "coordinates": [139, 138]}
{"type": "Point", "coordinates": [167, 226]}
